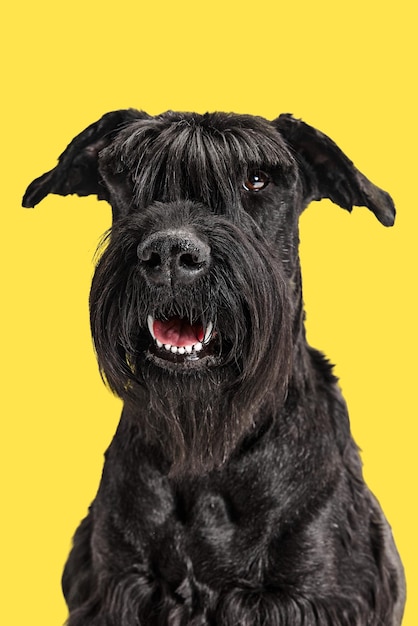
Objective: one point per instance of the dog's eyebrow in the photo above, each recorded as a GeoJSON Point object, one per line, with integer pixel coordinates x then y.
{"type": "Point", "coordinates": [186, 159]}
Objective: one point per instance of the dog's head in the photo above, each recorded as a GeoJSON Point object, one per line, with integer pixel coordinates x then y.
{"type": "Point", "coordinates": [196, 297]}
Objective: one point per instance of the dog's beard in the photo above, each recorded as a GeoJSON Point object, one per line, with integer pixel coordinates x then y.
{"type": "Point", "coordinates": [195, 404]}
{"type": "Point", "coordinates": [191, 420]}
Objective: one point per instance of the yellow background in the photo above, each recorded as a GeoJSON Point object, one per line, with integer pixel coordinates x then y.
{"type": "Point", "coordinates": [348, 68]}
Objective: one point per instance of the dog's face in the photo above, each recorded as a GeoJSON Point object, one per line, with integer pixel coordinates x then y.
{"type": "Point", "coordinates": [202, 206]}
{"type": "Point", "coordinates": [196, 300]}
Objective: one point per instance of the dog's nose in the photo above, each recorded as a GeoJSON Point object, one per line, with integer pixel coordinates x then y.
{"type": "Point", "coordinates": [174, 256]}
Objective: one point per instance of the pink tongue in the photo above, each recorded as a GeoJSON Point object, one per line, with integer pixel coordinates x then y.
{"type": "Point", "coordinates": [178, 332]}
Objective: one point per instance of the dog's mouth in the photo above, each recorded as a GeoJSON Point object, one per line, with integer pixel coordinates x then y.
{"type": "Point", "coordinates": [179, 340]}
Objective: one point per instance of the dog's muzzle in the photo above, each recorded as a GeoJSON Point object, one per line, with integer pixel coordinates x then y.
{"type": "Point", "coordinates": [176, 258]}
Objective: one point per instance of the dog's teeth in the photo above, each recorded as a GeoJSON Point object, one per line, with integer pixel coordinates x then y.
{"type": "Point", "coordinates": [208, 332]}
{"type": "Point", "coordinates": [181, 350]}
{"type": "Point", "coordinates": [150, 322]}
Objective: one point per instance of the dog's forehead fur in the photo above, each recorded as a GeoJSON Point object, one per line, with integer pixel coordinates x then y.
{"type": "Point", "coordinates": [187, 155]}
{"type": "Point", "coordinates": [244, 138]}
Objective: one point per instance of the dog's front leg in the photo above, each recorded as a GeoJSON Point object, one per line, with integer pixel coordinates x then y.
{"type": "Point", "coordinates": [251, 607]}
{"type": "Point", "coordinates": [78, 577]}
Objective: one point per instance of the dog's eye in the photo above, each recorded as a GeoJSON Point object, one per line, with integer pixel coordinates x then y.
{"type": "Point", "coordinates": [256, 181]}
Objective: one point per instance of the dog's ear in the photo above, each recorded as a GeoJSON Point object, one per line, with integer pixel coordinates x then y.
{"type": "Point", "coordinates": [77, 169]}
{"type": "Point", "coordinates": [329, 173]}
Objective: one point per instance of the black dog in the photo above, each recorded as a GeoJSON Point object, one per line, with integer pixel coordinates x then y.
{"type": "Point", "coordinates": [232, 493]}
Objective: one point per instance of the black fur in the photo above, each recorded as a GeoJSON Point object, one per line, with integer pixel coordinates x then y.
{"type": "Point", "coordinates": [232, 493]}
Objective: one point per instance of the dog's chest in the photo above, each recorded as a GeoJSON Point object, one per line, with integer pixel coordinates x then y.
{"type": "Point", "coordinates": [210, 529]}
